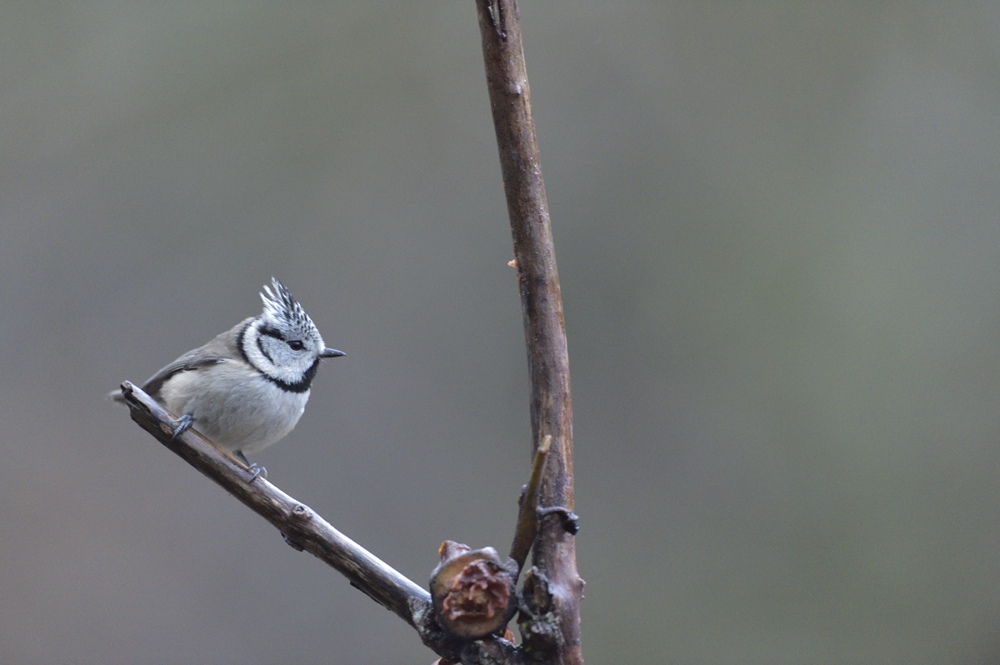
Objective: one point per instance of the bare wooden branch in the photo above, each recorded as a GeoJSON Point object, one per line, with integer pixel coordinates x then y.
{"type": "Point", "coordinates": [301, 527]}
{"type": "Point", "coordinates": [306, 531]}
{"type": "Point", "coordinates": [541, 304]}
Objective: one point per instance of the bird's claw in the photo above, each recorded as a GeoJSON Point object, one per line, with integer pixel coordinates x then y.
{"type": "Point", "coordinates": [252, 468]}
{"type": "Point", "coordinates": [180, 425]}
{"type": "Point", "coordinates": [257, 471]}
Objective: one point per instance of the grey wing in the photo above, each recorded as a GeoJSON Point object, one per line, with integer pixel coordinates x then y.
{"type": "Point", "coordinates": [218, 350]}
{"type": "Point", "coordinates": [189, 361]}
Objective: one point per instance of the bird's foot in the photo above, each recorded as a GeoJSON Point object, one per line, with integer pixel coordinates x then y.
{"type": "Point", "coordinates": [180, 425]}
{"type": "Point", "coordinates": [257, 471]}
{"type": "Point", "coordinates": [252, 468]}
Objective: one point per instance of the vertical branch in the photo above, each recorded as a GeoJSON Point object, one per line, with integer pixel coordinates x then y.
{"type": "Point", "coordinates": [555, 583]}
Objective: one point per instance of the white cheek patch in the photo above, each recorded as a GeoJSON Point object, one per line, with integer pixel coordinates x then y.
{"type": "Point", "coordinates": [253, 348]}
{"type": "Point", "coordinates": [274, 359]}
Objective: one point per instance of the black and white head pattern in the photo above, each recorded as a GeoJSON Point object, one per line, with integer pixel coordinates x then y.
{"type": "Point", "coordinates": [283, 343]}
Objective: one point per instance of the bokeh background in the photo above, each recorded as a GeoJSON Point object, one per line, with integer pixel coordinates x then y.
{"type": "Point", "coordinates": [778, 237]}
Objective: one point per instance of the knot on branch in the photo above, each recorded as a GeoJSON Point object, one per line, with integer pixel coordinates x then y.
{"type": "Point", "coordinates": [538, 622]}
{"type": "Point", "coordinates": [472, 591]}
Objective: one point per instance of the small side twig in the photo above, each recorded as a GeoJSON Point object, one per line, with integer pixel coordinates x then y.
{"type": "Point", "coordinates": [527, 518]}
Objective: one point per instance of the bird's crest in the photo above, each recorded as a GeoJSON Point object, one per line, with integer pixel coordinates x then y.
{"type": "Point", "coordinates": [282, 308]}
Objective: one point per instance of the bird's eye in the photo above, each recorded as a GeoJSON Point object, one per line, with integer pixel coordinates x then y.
{"type": "Point", "coordinates": [296, 345]}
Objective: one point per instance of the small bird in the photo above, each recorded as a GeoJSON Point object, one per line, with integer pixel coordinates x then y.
{"type": "Point", "coordinates": [248, 387]}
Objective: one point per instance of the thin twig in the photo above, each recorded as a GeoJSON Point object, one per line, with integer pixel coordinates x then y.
{"type": "Point", "coordinates": [527, 518]}
{"type": "Point", "coordinates": [306, 531]}
{"type": "Point", "coordinates": [301, 527]}
{"type": "Point", "coordinates": [541, 305]}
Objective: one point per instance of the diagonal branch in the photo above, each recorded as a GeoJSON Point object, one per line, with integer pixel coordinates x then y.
{"type": "Point", "coordinates": [306, 531]}
{"type": "Point", "coordinates": [558, 586]}
{"type": "Point", "coordinates": [301, 527]}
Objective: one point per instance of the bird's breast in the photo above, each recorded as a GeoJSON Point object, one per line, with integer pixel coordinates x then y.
{"type": "Point", "coordinates": [234, 405]}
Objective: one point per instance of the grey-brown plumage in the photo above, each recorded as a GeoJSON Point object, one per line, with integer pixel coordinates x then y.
{"type": "Point", "coordinates": [247, 388]}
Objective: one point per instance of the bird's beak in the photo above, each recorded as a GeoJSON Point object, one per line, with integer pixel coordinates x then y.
{"type": "Point", "coordinates": [331, 353]}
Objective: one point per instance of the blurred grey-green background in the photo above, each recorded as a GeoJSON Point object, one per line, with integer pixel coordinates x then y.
{"type": "Point", "coordinates": [777, 228]}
